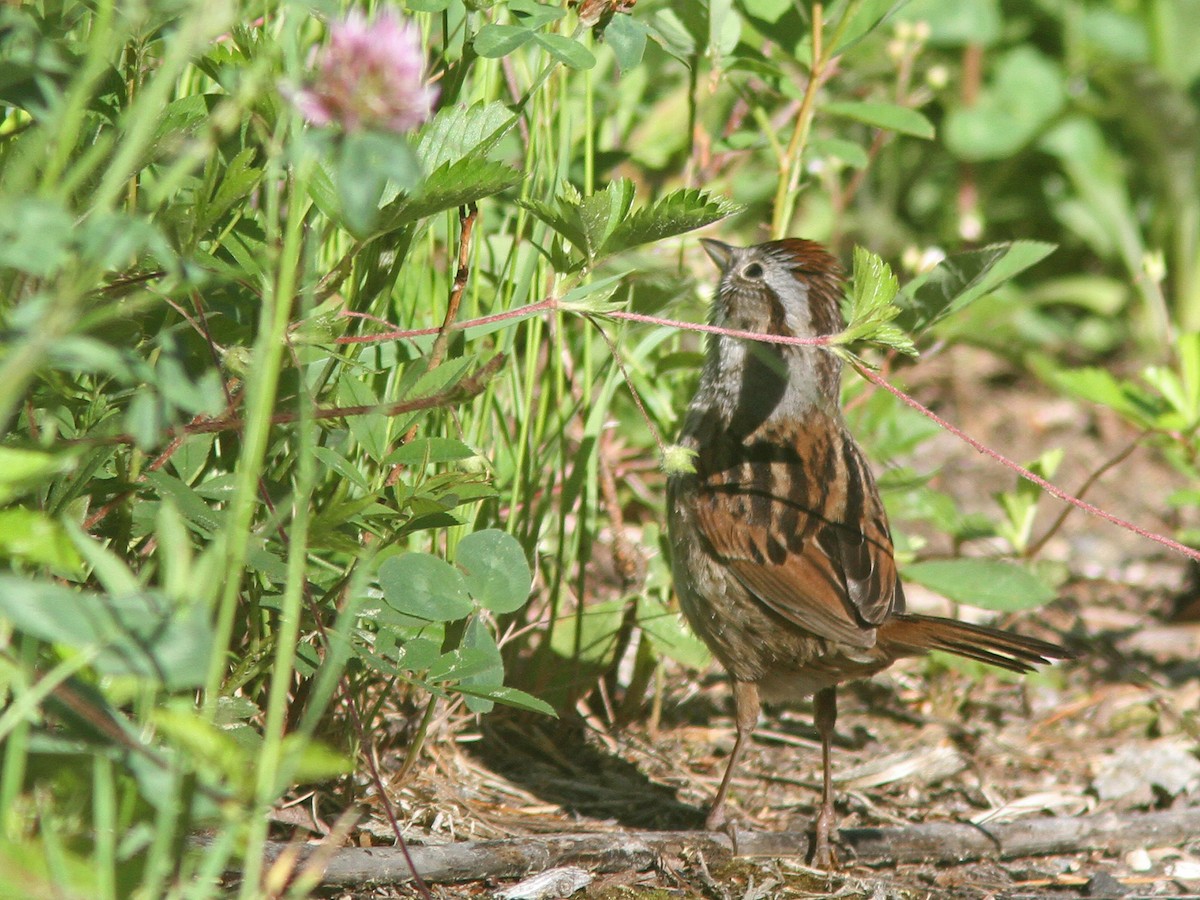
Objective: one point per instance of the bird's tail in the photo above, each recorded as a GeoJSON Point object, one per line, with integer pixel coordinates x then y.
{"type": "Point", "coordinates": [911, 635]}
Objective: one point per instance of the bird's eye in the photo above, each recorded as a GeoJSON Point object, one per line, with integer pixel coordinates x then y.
{"type": "Point", "coordinates": [754, 270]}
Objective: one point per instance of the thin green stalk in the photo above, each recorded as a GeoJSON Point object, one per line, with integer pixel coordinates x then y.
{"type": "Point", "coordinates": [791, 166]}
{"type": "Point", "coordinates": [104, 827]}
{"type": "Point", "coordinates": [260, 404]}
{"type": "Point", "coordinates": [160, 857]}
{"type": "Point", "coordinates": [788, 187]}
{"type": "Point", "coordinates": [273, 773]}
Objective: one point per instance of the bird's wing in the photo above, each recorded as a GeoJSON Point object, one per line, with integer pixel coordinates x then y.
{"type": "Point", "coordinates": [816, 550]}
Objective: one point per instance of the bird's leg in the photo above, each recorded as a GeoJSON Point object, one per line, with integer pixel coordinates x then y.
{"type": "Point", "coordinates": [825, 717]}
{"type": "Point", "coordinates": [745, 707]}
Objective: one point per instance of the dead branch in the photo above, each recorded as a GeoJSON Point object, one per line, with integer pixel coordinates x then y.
{"type": "Point", "coordinates": [938, 842]}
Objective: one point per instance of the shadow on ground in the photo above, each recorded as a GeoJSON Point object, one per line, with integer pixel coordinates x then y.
{"type": "Point", "coordinates": [557, 762]}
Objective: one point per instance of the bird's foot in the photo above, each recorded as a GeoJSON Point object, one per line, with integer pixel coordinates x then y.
{"type": "Point", "coordinates": [823, 856]}
{"type": "Point", "coordinates": [718, 821]}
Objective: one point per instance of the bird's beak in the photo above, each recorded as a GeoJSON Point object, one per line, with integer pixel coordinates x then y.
{"type": "Point", "coordinates": [719, 252]}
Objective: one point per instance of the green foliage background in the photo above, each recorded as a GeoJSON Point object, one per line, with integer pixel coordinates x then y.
{"type": "Point", "coordinates": [239, 524]}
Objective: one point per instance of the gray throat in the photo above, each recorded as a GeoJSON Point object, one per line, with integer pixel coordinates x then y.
{"type": "Point", "coordinates": [748, 384]}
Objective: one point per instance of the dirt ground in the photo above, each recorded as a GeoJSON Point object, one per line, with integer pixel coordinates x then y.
{"type": "Point", "coordinates": [1115, 730]}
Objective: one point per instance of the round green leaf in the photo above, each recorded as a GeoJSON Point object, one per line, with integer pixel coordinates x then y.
{"type": "Point", "coordinates": [989, 583]}
{"type": "Point", "coordinates": [494, 569]}
{"type": "Point", "coordinates": [417, 584]}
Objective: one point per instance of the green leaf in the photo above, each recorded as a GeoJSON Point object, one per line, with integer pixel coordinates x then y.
{"type": "Point", "coordinates": [1024, 96]}
{"type": "Point", "coordinates": [962, 278]}
{"type": "Point", "coordinates": [533, 14]}
{"type": "Point", "coordinates": [847, 152]}
{"type": "Point", "coordinates": [35, 235]}
{"type": "Point", "coordinates": [425, 587]}
{"type": "Point", "coordinates": [450, 186]}
{"type": "Point", "coordinates": [495, 41]}
{"type": "Point", "coordinates": [510, 696]}
{"type": "Point", "coordinates": [871, 308]}
{"type": "Point", "coordinates": [884, 115]}
{"type": "Point", "coordinates": [365, 164]}
{"type": "Point", "coordinates": [140, 635]}
{"type": "Point", "coordinates": [865, 17]}
{"type": "Point", "coordinates": [767, 10]}
{"type": "Point", "coordinates": [238, 179]}
{"type": "Point", "coordinates": [32, 536]}
{"type": "Point", "coordinates": [429, 450]}
{"type": "Point", "coordinates": [958, 23]}
{"type": "Point", "coordinates": [1101, 386]}
{"type": "Point", "coordinates": [567, 51]}
{"type": "Point", "coordinates": [494, 568]}
{"type": "Point", "coordinates": [988, 583]}
{"type": "Point", "coordinates": [24, 470]}
{"type": "Point", "coordinates": [591, 636]}
{"type": "Point", "coordinates": [626, 36]}
{"type": "Point", "coordinates": [585, 222]}
{"type": "Point", "coordinates": [306, 761]}
{"type": "Point", "coordinates": [724, 28]}
{"type": "Point", "coordinates": [202, 518]}
{"type": "Point", "coordinates": [677, 213]}
{"type": "Point", "coordinates": [670, 635]}
{"type": "Point", "coordinates": [459, 131]}
{"type": "Point", "coordinates": [478, 638]}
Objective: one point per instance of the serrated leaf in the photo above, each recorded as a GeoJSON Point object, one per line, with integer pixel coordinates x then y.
{"type": "Point", "coordinates": [425, 587]}
{"type": "Point", "coordinates": [962, 278]}
{"type": "Point", "coordinates": [238, 179]}
{"type": "Point", "coordinates": [452, 185]}
{"type": "Point", "coordinates": [594, 296]}
{"type": "Point", "coordinates": [677, 213]}
{"type": "Point", "coordinates": [460, 131]}
{"type": "Point", "coordinates": [871, 307]}
{"type": "Point", "coordinates": [988, 583]}
{"type": "Point", "coordinates": [900, 119]}
{"type": "Point", "coordinates": [586, 222]}
{"type": "Point", "coordinates": [495, 570]}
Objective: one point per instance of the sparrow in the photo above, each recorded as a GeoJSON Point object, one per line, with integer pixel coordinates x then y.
{"type": "Point", "coordinates": [782, 556]}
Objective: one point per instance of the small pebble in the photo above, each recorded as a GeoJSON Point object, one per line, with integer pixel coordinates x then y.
{"type": "Point", "coordinates": [1139, 860]}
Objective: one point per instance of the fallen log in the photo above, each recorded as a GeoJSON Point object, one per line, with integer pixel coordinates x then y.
{"type": "Point", "coordinates": [625, 851]}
